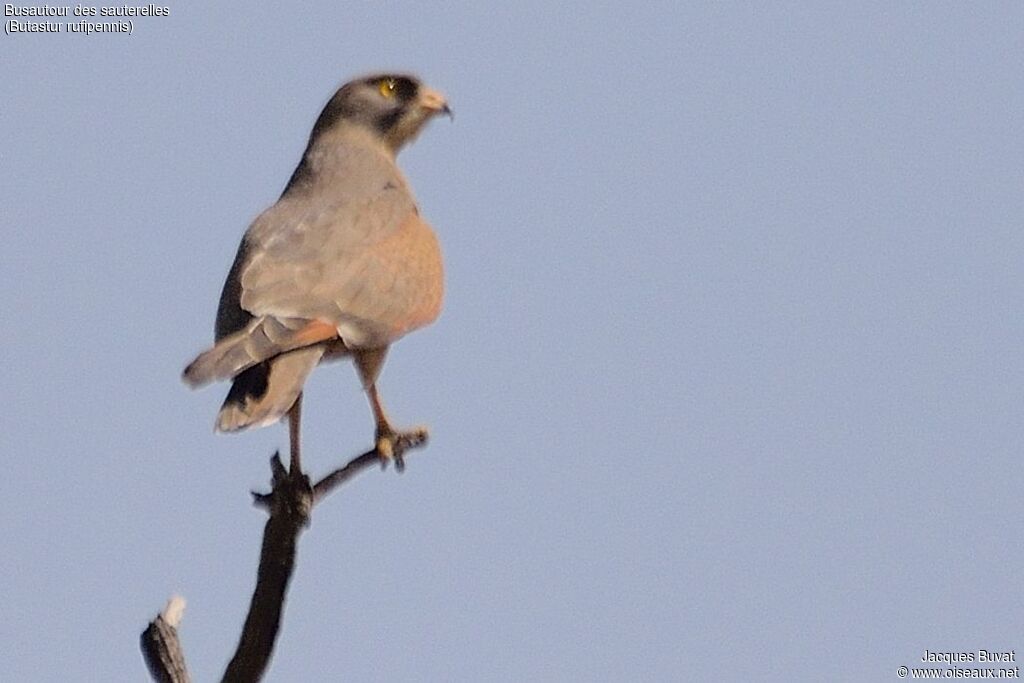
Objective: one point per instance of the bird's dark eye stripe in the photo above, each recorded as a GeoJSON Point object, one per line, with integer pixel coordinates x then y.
{"type": "Point", "coordinates": [388, 121]}
{"type": "Point", "coordinates": [405, 88]}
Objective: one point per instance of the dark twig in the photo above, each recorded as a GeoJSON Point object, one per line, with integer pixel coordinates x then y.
{"type": "Point", "coordinates": [290, 503]}
{"type": "Point", "coordinates": [161, 647]}
{"type": "Point", "coordinates": [343, 474]}
{"type": "Point", "coordinates": [406, 442]}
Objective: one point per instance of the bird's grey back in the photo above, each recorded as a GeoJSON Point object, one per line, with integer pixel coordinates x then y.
{"type": "Point", "coordinates": [349, 195]}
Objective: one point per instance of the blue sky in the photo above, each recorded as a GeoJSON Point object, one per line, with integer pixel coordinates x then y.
{"type": "Point", "coordinates": [727, 385]}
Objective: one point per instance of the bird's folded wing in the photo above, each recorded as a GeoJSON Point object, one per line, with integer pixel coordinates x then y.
{"type": "Point", "coordinates": [373, 267]}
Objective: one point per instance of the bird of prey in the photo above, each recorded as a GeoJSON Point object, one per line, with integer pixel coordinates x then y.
{"type": "Point", "coordinates": [341, 265]}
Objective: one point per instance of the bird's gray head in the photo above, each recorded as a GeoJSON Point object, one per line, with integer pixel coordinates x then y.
{"type": "Point", "coordinates": [391, 108]}
{"type": "Point", "coordinates": [394, 106]}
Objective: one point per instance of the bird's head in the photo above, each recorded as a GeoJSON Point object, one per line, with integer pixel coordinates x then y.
{"type": "Point", "coordinates": [393, 106]}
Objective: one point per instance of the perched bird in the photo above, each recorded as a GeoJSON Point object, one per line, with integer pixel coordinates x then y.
{"type": "Point", "coordinates": [341, 265]}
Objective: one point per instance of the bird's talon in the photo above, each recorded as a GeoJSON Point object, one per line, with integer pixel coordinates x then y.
{"type": "Point", "coordinates": [392, 445]}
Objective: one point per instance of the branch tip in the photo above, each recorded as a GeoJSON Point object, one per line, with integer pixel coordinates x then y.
{"type": "Point", "coordinates": [174, 611]}
{"type": "Point", "coordinates": [277, 467]}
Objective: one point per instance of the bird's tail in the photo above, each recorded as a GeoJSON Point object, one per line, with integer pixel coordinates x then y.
{"type": "Point", "coordinates": [259, 341]}
{"type": "Point", "coordinates": [263, 394]}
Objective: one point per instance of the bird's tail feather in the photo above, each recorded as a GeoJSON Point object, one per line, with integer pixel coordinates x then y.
{"type": "Point", "coordinates": [259, 341]}
{"type": "Point", "coordinates": [263, 394]}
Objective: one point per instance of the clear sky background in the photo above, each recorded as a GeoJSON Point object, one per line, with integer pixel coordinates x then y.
{"type": "Point", "coordinates": [728, 385]}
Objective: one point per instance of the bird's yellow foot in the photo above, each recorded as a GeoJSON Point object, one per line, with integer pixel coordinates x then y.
{"type": "Point", "coordinates": [392, 445]}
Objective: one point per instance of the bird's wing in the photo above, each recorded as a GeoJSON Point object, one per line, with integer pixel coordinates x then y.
{"type": "Point", "coordinates": [360, 259]}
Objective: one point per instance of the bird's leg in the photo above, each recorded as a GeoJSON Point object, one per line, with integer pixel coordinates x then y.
{"type": "Point", "coordinates": [294, 419]}
{"type": "Point", "coordinates": [389, 443]}
{"type": "Point", "coordinates": [392, 444]}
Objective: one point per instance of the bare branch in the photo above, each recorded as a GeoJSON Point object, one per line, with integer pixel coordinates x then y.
{"type": "Point", "coordinates": [343, 474]}
{"type": "Point", "coordinates": [406, 442]}
{"type": "Point", "coordinates": [290, 504]}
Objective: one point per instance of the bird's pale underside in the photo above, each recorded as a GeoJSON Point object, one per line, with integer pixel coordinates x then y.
{"type": "Point", "coordinates": [341, 265]}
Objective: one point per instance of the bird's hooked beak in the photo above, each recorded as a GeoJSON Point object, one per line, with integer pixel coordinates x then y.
{"type": "Point", "coordinates": [434, 102]}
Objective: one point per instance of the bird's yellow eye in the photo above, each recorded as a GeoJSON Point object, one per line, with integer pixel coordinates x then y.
{"type": "Point", "coordinates": [387, 87]}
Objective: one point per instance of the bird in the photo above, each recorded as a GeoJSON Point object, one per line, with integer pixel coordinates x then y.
{"type": "Point", "coordinates": [342, 265]}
